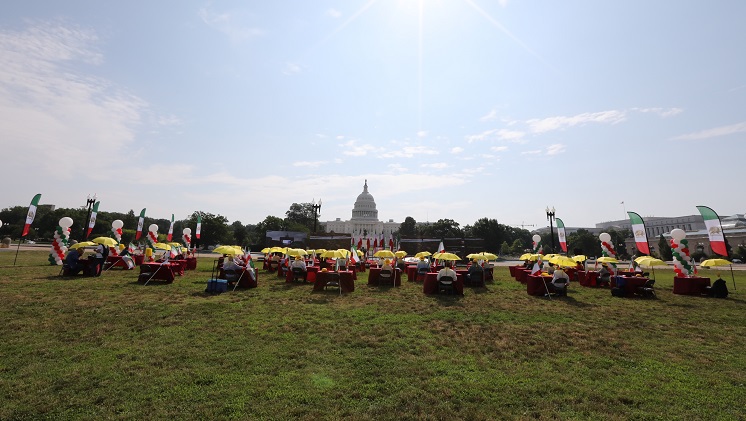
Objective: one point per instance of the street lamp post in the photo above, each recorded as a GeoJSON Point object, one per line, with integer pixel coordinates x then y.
{"type": "Point", "coordinates": [316, 210]}
{"type": "Point", "coordinates": [550, 218]}
{"type": "Point", "coordinates": [89, 202]}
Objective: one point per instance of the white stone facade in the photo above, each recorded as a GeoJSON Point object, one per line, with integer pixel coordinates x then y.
{"type": "Point", "coordinates": [364, 219]}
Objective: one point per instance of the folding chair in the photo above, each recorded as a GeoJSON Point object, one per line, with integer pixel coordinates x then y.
{"type": "Point", "coordinates": [387, 275]}
{"type": "Point", "coordinates": [333, 281]}
{"type": "Point", "coordinates": [445, 285]}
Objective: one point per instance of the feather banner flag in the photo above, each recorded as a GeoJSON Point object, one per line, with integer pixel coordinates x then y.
{"type": "Point", "coordinates": [92, 221]}
{"type": "Point", "coordinates": [140, 222]}
{"type": "Point", "coordinates": [31, 214]}
{"type": "Point", "coordinates": [199, 226]}
{"type": "Point", "coordinates": [170, 229]}
{"type": "Point", "coordinates": [638, 230]}
{"type": "Point", "coordinates": [561, 234]}
{"type": "Point", "coordinates": [714, 230]}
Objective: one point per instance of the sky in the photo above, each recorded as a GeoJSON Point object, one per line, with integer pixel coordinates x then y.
{"type": "Point", "coordinates": [450, 109]}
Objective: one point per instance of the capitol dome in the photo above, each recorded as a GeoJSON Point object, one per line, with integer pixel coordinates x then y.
{"type": "Point", "coordinates": [365, 206]}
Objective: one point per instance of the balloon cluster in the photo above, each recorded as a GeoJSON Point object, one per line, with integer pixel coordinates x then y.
{"type": "Point", "coordinates": [186, 237]}
{"type": "Point", "coordinates": [116, 229]}
{"type": "Point", "coordinates": [607, 250]}
{"type": "Point", "coordinates": [61, 238]}
{"type": "Point", "coordinates": [682, 263]}
{"type": "Point", "coordinates": [151, 239]}
{"type": "Point", "coordinates": [538, 248]}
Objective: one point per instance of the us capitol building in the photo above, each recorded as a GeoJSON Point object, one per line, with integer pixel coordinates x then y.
{"type": "Point", "coordinates": [364, 219]}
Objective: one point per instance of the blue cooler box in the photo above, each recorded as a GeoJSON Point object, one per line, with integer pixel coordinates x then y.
{"type": "Point", "coordinates": [217, 285]}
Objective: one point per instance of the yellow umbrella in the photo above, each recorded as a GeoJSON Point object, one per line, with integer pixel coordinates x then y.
{"type": "Point", "coordinates": [82, 244]}
{"type": "Point", "coordinates": [229, 250]}
{"type": "Point", "coordinates": [446, 256]}
{"type": "Point", "coordinates": [649, 261]}
{"type": "Point", "coordinates": [175, 244]}
{"type": "Point", "coordinates": [265, 250]}
{"type": "Point", "coordinates": [606, 259]}
{"type": "Point", "coordinates": [525, 256]}
{"type": "Point", "coordinates": [162, 246]}
{"type": "Point", "coordinates": [580, 258]}
{"type": "Point", "coordinates": [400, 254]}
{"type": "Point", "coordinates": [334, 254]}
{"type": "Point", "coordinates": [422, 254]}
{"type": "Point", "coordinates": [384, 254]}
{"type": "Point", "coordinates": [360, 253]}
{"type": "Point", "coordinates": [278, 250]}
{"type": "Point", "coordinates": [549, 256]}
{"type": "Point", "coordinates": [715, 262]}
{"type": "Point", "coordinates": [489, 256]}
{"type": "Point", "coordinates": [563, 261]}
{"type": "Point", "coordinates": [319, 251]}
{"type": "Point", "coordinates": [107, 241]}
{"type": "Point", "coordinates": [296, 252]}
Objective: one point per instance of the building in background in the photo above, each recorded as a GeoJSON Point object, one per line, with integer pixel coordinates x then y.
{"type": "Point", "coordinates": [364, 221]}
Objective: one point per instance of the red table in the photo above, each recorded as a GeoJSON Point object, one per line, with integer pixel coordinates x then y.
{"type": "Point", "coordinates": [631, 283]}
{"type": "Point", "coordinates": [191, 263]}
{"type": "Point", "coordinates": [522, 275]}
{"type": "Point", "coordinates": [138, 258]}
{"type": "Point", "coordinates": [158, 271]}
{"type": "Point", "coordinates": [588, 278]}
{"type": "Point", "coordinates": [411, 273]}
{"type": "Point", "coordinates": [289, 275]}
{"type": "Point", "coordinates": [345, 280]}
{"type": "Point", "coordinates": [375, 273]}
{"type": "Point", "coordinates": [243, 278]}
{"type": "Point", "coordinates": [690, 286]}
{"type": "Point", "coordinates": [538, 285]}
{"type": "Point", "coordinates": [118, 262]}
{"type": "Point", "coordinates": [430, 286]}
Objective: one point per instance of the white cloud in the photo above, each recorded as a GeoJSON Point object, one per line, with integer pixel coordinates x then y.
{"type": "Point", "coordinates": [334, 13]}
{"type": "Point", "coordinates": [457, 149]}
{"type": "Point", "coordinates": [312, 164]}
{"type": "Point", "coordinates": [490, 116]}
{"type": "Point", "coordinates": [502, 3]}
{"type": "Point", "coordinates": [714, 132]}
{"type": "Point", "coordinates": [352, 148]}
{"type": "Point", "coordinates": [555, 149]}
{"type": "Point", "coordinates": [534, 152]}
{"type": "Point", "coordinates": [436, 165]}
{"type": "Point", "coordinates": [516, 136]}
{"type": "Point", "coordinates": [662, 112]}
{"type": "Point", "coordinates": [169, 120]}
{"type": "Point", "coordinates": [291, 69]}
{"type": "Point", "coordinates": [422, 133]}
{"type": "Point", "coordinates": [56, 113]}
{"type": "Point", "coordinates": [562, 122]}
{"type": "Point", "coordinates": [230, 24]}
{"type": "Point", "coordinates": [498, 148]}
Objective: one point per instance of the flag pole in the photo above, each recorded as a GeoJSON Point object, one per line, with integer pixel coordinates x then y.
{"type": "Point", "coordinates": [17, 250]}
{"type": "Point", "coordinates": [733, 277]}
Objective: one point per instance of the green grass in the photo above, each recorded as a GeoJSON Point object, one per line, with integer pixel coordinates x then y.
{"type": "Point", "coordinates": [93, 348]}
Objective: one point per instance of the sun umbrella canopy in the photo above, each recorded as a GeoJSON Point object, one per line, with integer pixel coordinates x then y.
{"type": "Point", "coordinates": [400, 254]}
{"type": "Point", "coordinates": [334, 254]}
{"type": "Point", "coordinates": [162, 246]}
{"type": "Point", "coordinates": [650, 262]}
{"type": "Point", "coordinates": [525, 256]}
{"type": "Point", "coordinates": [423, 254]}
{"type": "Point", "coordinates": [229, 250]}
{"type": "Point", "coordinates": [606, 259]}
{"type": "Point", "coordinates": [562, 261]}
{"type": "Point", "coordinates": [107, 241]}
{"type": "Point", "coordinates": [296, 252]}
{"type": "Point", "coordinates": [489, 256]}
{"type": "Point", "coordinates": [175, 244]}
{"type": "Point", "coordinates": [82, 244]}
{"type": "Point", "coordinates": [715, 262]}
{"type": "Point", "coordinates": [384, 254]}
{"type": "Point", "coordinates": [580, 258]}
{"type": "Point", "coordinates": [265, 250]}
{"type": "Point", "coordinates": [446, 256]}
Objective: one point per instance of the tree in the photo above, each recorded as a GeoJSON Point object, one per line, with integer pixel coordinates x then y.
{"type": "Point", "coordinates": [443, 228]}
{"type": "Point", "coordinates": [518, 247]}
{"type": "Point", "coordinates": [270, 223]}
{"type": "Point", "coordinates": [214, 229]}
{"type": "Point", "coordinates": [300, 215]}
{"type": "Point", "coordinates": [584, 241]}
{"type": "Point", "coordinates": [408, 228]}
{"type": "Point", "coordinates": [665, 249]}
{"type": "Point", "coordinates": [489, 230]}
{"type": "Point", "coordinates": [505, 248]}
{"type": "Point", "coordinates": [240, 234]}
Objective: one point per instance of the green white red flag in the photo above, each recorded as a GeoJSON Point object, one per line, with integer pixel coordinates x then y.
{"type": "Point", "coordinates": [199, 225]}
{"type": "Point", "coordinates": [92, 221]}
{"type": "Point", "coordinates": [714, 230]}
{"type": "Point", "coordinates": [31, 214]}
{"type": "Point", "coordinates": [353, 255]}
{"type": "Point", "coordinates": [140, 222]}
{"type": "Point", "coordinates": [170, 229]}
{"type": "Point", "coordinates": [561, 234]}
{"type": "Point", "coordinates": [638, 230]}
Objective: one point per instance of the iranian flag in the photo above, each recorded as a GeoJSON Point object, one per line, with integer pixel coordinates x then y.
{"type": "Point", "coordinates": [199, 225]}
{"type": "Point", "coordinates": [140, 223]}
{"type": "Point", "coordinates": [638, 230]}
{"type": "Point", "coordinates": [353, 255]}
{"type": "Point", "coordinates": [367, 242]}
{"type": "Point", "coordinates": [375, 243]}
{"type": "Point", "coordinates": [561, 234]}
{"type": "Point", "coordinates": [170, 229]}
{"type": "Point", "coordinates": [714, 230]}
{"type": "Point", "coordinates": [538, 265]}
{"type": "Point", "coordinates": [92, 221]}
{"type": "Point", "coordinates": [31, 214]}
{"type": "Point", "coordinates": [441, 247]}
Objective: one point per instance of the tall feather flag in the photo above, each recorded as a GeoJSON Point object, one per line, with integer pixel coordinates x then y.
{"type": "Point", "coordinates": [561, 234]}
{"type": "Point", "coordinates": [170, 229]}
{"type": "Point", "coordinates": [31, 214]}
{"type": "Point", "coordinates": [538, 265]}
{"type": "Point", "coordinates": [140, 222]}
{"type": "Point", "coordinates": [714, 230]}
{"type": "Point", "coordinates": [441, 247]}
{"type": "Point", "coordinates": [92, 221]}
{"type": "Point", "coordinates": [199, 225]}
{"type": "Point", "coordinates": [638, 230]}
{"type": "Point", "coordinates": [353, 255]}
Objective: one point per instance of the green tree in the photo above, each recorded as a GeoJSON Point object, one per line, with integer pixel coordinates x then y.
{"type": "Point", "coordinates": [443, 228]}
{"type": "Point", "coordinates": [240, 234]}
{"type": "Point", "coordinates": [489, 230]}
{"type": "Point", "coordinates": [270, 223]}
{"type": "Point", "coordinates": [408, 228]}
{"type": "Point", "coordinates": [664, 249]}
{"type": "Point", "coordinates": [214, 229]}
{"type": "Point", "coordinates": [518, 247]}
{"type": "Point", "coordinates": [583, 242]}
{"type": "Point", "coordinates": [300, 215]}
{"type": "Point", "coordinates": [505, 248]}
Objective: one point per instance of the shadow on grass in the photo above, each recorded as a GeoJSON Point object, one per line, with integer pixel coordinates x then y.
{"type": "Point", "coordinates": [152, 282]}
{"type": "Point", "coordinates": [289, 285]}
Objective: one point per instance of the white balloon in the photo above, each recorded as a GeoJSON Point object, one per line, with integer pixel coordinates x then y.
{"type": "Point", "coordinates": [187, 231]}
{"type": "Point", "coordinates": [66, 222]}
{"type": "Point", "coordinates": [605, 237]}
{"type": "Point", "coordinates": [117, 223]}
{"type": "Point", "coordinates": [1, 223]}
{"type": "Point", "coordinates": [536, 238]}
{"type": "Point", "coordinates": [678, 234]}
{"type": "Point", "coordinates": [153, 228]}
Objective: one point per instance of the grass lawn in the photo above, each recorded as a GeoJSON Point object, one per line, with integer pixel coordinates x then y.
{"type": "Point", "coordinates": [108, 347]}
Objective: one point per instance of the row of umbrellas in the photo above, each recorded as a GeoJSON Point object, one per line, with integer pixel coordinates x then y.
{"type": "Point", "coordinates": [110, 242]}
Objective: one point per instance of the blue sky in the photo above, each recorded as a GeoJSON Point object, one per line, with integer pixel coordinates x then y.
{"type": "Point", "coordinates": [457, 109]}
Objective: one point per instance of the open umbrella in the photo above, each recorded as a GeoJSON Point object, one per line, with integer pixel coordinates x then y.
{"type": "Point", "coordinates": [563, 261]}
{"type": "Point", "coordinates": [296, 252]}
{"type": "Point", "coordinates": [606, 259]}
{"type": "Point", "coordinates": [333, 254]}
{"type": "Point", "coordinates": [580, 258]}
{"type": "Point", "coordinates": [423, 254]}
{"type": "Point", "coordinates": [162, 246]}
{"type": "Point", "coordinates": [446, 256]}
{"type": "Point", "coordinates": [720, 262]}
{"type": "Point", "coordinates": [265, 250]}
{"type": "Point", "coordinates": [384, 253]}
{"type": "Point", "coordinates": [525, 256]}
{"type": "Point", "coordinates": [650, 262]}
{"type": "Point", "coordinates": [400, 254]}
{"type": "Point", "coordinates": [489, 256]}
{"type": "Point", "coordinates": [82, 244]}
{"type": "Point", "coordinates": [229, 250]}
{"type": "Point", "coordinates": [106, 241]}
